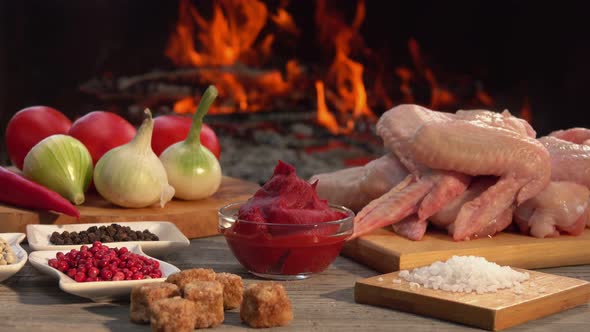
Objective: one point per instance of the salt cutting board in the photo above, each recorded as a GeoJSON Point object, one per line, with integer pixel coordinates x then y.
{"type": "Point", "coordinates": [385, 251]}
{"type": "Point", "coordinates": [543, 294]}
{"type": "Point", "coordinates": [194, 218]}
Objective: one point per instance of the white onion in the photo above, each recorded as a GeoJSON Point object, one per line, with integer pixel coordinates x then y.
{"type": "Point", "coordinates": [62, 164]}
{"type": "Point", "coordinates": [131, 175]}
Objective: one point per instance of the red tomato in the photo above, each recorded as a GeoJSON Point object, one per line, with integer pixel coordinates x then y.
{"type": "Point", "coordinates": [169, 129]}
{"type": "Point", "coordinates": [29, 126]}
{"type": "Point", "coordinates": [101, 131]}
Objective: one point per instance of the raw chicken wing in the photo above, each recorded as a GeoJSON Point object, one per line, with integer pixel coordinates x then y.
{"type": "Point", "coordinates": [355, 187]}
{"type": "Point", "coordinates": [561, 206]}
{"type": "Point", "coordinates": [575, 135]}
{"type": "Point", "coordinates": [475, 148]}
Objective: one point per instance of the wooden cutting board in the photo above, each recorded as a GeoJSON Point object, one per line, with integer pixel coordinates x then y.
{"type": "Point", "coordinates": [543, 294]}
{"type": "Point", "coordinates": [194, 218]}
{"type": "Point", "coordinates": [385, 251]}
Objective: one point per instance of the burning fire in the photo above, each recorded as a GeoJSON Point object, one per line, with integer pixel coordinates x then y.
{"type": "Point", "coordinates": [232, 47]}
{"type": "Point", "coordinates": [224, 38]}
{"type": "Point", "coordinates": [346, 75]}
{"type": "Point", "coordinates": [228, 54]}
{"type": "Point", "coordinates": [525, 111]}
{"type": "Point", "coordinates": [440, 97]}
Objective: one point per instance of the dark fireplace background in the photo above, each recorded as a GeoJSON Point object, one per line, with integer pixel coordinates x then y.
{"type": "Point", "coordinates": [516, 49]}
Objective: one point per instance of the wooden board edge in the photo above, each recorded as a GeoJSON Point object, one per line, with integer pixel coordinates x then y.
{"type": "Point", "coordinates": [399, 300]}
{"type": "Point", "coordinates": [542, 307]}
{"type": "Point", "coordinates": [507, 255]}
{"type": "Point", "coordinates": [371, 257]}
{"type": "Point", "coordinates": [15, 219]}
{"type": "Point", "coordinates": [192, 230]}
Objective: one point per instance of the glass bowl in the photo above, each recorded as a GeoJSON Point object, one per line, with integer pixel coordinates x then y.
{"type": "Point", "coordinates": [284, 251]}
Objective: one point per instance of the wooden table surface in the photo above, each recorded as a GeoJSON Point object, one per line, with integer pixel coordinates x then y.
{"type": "Point", "coordinates": [31, 301]}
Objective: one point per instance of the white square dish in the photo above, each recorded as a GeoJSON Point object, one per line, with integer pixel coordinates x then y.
{"type": "Point", "coordinates": [97, 291]}
{"type": "Point", "coordinates": [14, 240]}
{"type": "Point", "coordinates": [171, 238]}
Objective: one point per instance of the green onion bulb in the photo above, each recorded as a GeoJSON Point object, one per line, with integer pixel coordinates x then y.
{"type": "Point", "coordinates": [192, 169]}
{"type": "Point", "coordinates": [62, 164]}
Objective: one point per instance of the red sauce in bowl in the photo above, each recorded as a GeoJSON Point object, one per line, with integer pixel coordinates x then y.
{"type": "Point", "coordinates": [304, 249]}
{"type": "Point", "coordinates": [285, 228]}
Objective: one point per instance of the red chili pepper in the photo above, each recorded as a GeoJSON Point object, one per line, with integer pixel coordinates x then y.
{"type": "Point", "coordinates": [17, 190]}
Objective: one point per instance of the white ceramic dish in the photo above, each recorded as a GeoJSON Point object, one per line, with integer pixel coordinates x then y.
{"type": "Point", "coordinates": [14, 240]}
{"type": "Point", "coordinates": [171, 238]}
{"type": "Point", "coordinates": [97, 291]}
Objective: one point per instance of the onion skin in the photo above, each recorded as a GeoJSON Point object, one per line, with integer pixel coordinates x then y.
{"type": "Point", "coordinates": [131, 175]}
{"type": "Point", "coordinates": [62, 164]}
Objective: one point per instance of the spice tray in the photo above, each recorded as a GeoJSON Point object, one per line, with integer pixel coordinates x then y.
{"type": "Point", "coordinates": [541, 295]}
{"type": "Point", "coordinates": [14, 240]}
{"type": "Point", "coordinates": [170, 237]}
{"type": "Point", "coordinates": [97, 291]}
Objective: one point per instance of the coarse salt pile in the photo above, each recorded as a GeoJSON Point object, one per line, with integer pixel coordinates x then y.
{"type": "Point", "coordinates": [466, 274]}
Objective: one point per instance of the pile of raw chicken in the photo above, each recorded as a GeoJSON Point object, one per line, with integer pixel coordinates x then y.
{"type": "Point", "coordinates": [473, 173]}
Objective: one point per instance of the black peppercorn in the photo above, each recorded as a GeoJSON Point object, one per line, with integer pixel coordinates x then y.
{"type": "Point", "coordinates": [107, 234]}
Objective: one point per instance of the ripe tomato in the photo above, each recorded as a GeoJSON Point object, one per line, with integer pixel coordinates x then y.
{"type": "Point", "coordinates": [101, 131]}
{"type": "Point", "coordinates": [169, 129]}
{"type": "Point", "coordinates": [29, 126]}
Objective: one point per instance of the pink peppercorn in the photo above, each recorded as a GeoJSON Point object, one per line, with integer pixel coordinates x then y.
{"type": "Point", "coordinates": [63, 266]}
{"type": "Point", "coordinates": [118, 276]}
{"type": "Point", "coordinates": [72, 272]}
{"type": "Point", "coordinates": [53, 263]}
{"type": "Point", "coordinates": [101, 263]}
{"type": "Point", "coordinates": [80, 277]}
{"type": "Point", "coordinates": [137, 276]}
{"type": "Point", "coordinates": [106, 274]}
{"type": "Point", "coordinates": [93, 272]}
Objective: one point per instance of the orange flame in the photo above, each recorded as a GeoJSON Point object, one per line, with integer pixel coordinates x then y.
{"type": "Point", "coordinates": [406, 76]}
{"type": "Point", "coordinates": [345, 74]}
{"type": "Point", "coordinates": [185, 105]}
{"type": "Point", "coordinates": [226, 50]}
{"type": "Point", "coordinates": [483, 97]}
{"type": "Point", "coordinates": [285, 21]}
{"type": "Point", "coordinates": [324, 117]}
{"type": "Point", "coordinates": [439, 97]}
{"type": "Point", "coordinates": [232, 48]}
{"type": "Point", "coordinates": [526, 112]}
{"type": "Point", "coordinates": [380, 92]}
{"type": "Point", "coordinates": [231, 32]}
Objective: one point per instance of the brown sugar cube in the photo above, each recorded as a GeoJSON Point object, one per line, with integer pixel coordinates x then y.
{"type": "Point", "coordinates": [144, 296]}
{"type": "Point", "coordinates": [173, 315]}
{"type": "Point", "coordinates": [208, 299]}
{"type": "Point", "coordinates": [233, 288]}
{"type": "Point", "coordinates": [266, 305]}
{"type": "Point", "coordinates": [185, 277]}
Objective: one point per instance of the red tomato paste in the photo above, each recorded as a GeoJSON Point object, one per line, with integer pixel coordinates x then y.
{"type": "Point", "coordinates": [287, 199]}
{"type": "Point", "coordinates": [282, 229]}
